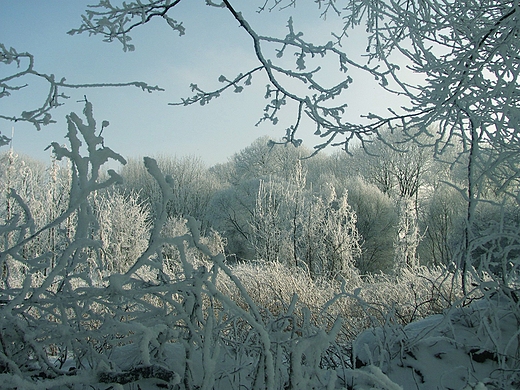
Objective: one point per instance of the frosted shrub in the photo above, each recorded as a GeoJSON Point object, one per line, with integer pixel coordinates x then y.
{"type": "Point", "coordinates": [272, 286]}
{"type": "Point", "coordinates": [411, 295]}
{"type": "Point", "coordinates": [361, 302]}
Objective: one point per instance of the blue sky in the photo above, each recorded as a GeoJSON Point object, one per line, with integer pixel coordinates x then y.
{"type": "Point", "coordinates": [142, 123]}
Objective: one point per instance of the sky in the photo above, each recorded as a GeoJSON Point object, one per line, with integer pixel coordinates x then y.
{"type": "Point", "coordinates": [143, 124]}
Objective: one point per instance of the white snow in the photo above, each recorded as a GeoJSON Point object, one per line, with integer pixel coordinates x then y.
{"type": "Point", "coordinates": [466, 348]}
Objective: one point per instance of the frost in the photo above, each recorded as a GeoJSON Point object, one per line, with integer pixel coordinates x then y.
{"type": "Point", "coordinates": [79, 308]}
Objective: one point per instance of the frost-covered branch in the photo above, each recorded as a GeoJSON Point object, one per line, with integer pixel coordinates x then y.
{"type": "Point", "coordinates": [25, 66]}
{"type": "Point", "coordinates": [115, 22]}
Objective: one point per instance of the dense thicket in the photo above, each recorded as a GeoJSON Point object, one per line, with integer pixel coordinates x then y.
{"type": "Point", "coordinates": [156, 300]}
{"type": "Point", "coordinates": [118, 289]}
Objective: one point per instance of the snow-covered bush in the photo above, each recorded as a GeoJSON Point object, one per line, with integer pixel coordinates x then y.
{"type": "Point", "coordinates": [171, 257]}
{"type": "Point", "coordinates": [472, 347]}
{"type": "Point", "coordinates": [365, 302]}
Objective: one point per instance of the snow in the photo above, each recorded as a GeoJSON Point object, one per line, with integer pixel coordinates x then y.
{"type": "Point", "coordinates": [466, 348]}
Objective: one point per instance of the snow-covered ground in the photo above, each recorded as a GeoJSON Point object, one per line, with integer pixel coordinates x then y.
{"type": "Point", "coordinates": [472, 347]}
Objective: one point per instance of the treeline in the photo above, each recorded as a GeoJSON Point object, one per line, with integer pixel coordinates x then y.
{"type": "Point", "coordinates": [372, 210]}
{"type": "Point", "coordinates": [382, 207]}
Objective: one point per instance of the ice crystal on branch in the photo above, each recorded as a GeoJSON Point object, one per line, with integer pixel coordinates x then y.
{"type": "Point", "coordinates": [14, 83]}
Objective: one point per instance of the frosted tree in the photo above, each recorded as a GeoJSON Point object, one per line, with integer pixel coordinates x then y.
{"type": "Point", "coordinates": [265, 158]}
{"type": "Point", "coordinates": [230, 211]}
{"type": "Point", "coordinates": [341, 237]}
{"type": "Point", "coordinates": [294, 226]}
{"type": "Point", "coordinates": [407, 239]}
{"type": "Point", "coordinates": [376, 223]}
{"type": "Point", "coordinates": [194, 185]}
{"type": "Point", "coordinates": [444, 226]}
{"type": "Point", "coordinates": [468, 55]}
{"type": "Point", "coordinates": [285, 216]}
{"type": "Point", "coordinates": [463, 55]}
{"type": "Point", "coordinates": [124, 227]}
{"type": "Point", "coordinates": [28, 183]}
{"type": "Point", "coordinates": [268, 233]}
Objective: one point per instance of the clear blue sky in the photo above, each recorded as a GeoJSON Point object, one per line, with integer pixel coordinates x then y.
{"type": "Point", "coordinates": [141, 123]}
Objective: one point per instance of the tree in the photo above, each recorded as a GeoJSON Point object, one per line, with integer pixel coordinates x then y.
{"type": "Point", "coordinates": [453, 51]}
{"type": "Point", "coordinates": [408, 238]}
{"type": "Point", "coordinates": [27, 183]}
{"type": "Point", "coordinates": [144, 322]}
{"type": "Point", "coordinates": [264, 158]}
{"type": "Point", "coordinates": [398, 166]}
{"type": "Point", "coordinates": [193, 185]}
{"type": "Point", "coordinates": [341, 237]}
{"type": "Point", "coordinates": [124, 227]}
{"type": "Point", "coordinates": [293, 225]}
{"type": "Point", "coordinates": [443, 226]}
{"type": "Point", "coordinates": [376, 224]}
{"type": "Point", "coordinates": [13, 82]}
{"type": "Point", "coordinates": [229, 212]}
{"type": "Point", "coordinates": [269, 233]}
